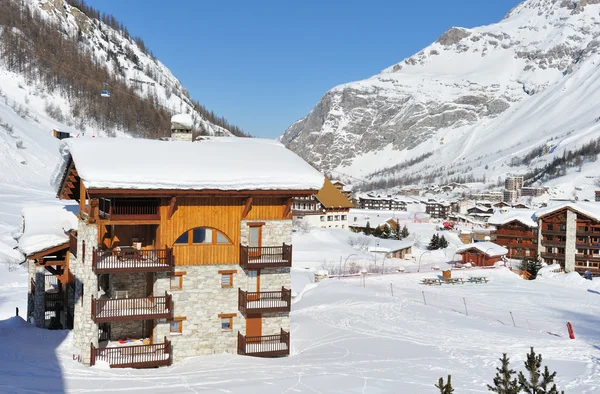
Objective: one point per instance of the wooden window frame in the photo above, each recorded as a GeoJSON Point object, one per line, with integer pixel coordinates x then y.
{"type": "Point", "coordinates": [229, 316]}
{"type": "Point", "coordinates": [172, 275]}
{"type": "Point", "coordinates": [214, 231]}
{"type": "Point", "coordinates": [180, 320]}
{"type": "Point", "coordinates": [230, 273]}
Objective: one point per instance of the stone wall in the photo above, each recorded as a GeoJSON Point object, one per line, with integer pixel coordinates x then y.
{"type": "Point", "coordinates": [30, 294]}
{"type": "Point", "coordinates": [135, 284]}
{"type": "Point", "coordinates": [570, 248]}
{"type": "Point", "coordinates": [124, 329]}
{"type": "Point", "coordinates": [39, 302]}
{"type": "Point", "coordinates": [272, 323]}
{"type": "Point", "coordinates": [85, 331]}
{"type": "Point", "coordinates": [272, 279]}
{"type": "Point", "coordinates": [200, 301]}
{"type": "Point", "coordinates": [274, 232]}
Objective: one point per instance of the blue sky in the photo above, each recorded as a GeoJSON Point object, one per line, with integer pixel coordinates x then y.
{"type": "Point", "coordinates": [265, 64]}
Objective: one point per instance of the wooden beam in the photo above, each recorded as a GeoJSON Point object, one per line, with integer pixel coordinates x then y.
{"type": "Point", "coordinates": [43, 253]}
{"type": "Point", "coordinates": [93, 210]}
{"type": "Point", "coordinates": [172, 207]}
{"type": "Point", "coordinates": [288, 208]}
{"type": "Point", "coordinates": [81, 196]}
{"type": "Point", "coordinates": [107, 193]}
{"type": "Point", "coordinates": [247, 207]}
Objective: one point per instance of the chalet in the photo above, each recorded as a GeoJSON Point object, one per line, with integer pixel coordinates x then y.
{"type": "Point", "coordinates": [181, 249]}
{"type": "Point", "coordinates": [480, 212]}
{"type": "Point", "coordinates": [45, 242]}
{"type": "Point", "coordinates": [392, 248]}
{"type": "Point", "coordinates": [516, 230]}
{"type": "Point", "coordinates": [376, 202]}
{"type": "Point", "coordinates": [481, 254]}
{"type": "Point", "coordinates": [501, 204]}
{"type": "Point", "coordinates": [440, 209]}
{"type": "Point", "coordinates": [569, 235]}
{"type": "Point", "coordinates": [328, 208]}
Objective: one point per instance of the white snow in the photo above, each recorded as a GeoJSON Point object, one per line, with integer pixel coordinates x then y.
{"type": "Point", "coordinates": [45, 227]}
{"type": "Point", "coordinates": [182, 121]}
{"type": "Point", "coordinates": [503, 216]}
{"type": "Point", "coordinates": [211, 164]}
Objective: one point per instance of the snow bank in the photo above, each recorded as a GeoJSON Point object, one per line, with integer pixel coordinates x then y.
{"type": "Point", "coordinates": [45, 227]}
{"type": "Point", "coordinates": [213, 163]}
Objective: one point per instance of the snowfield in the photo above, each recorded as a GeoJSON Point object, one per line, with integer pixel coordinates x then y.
{"type": "Point", "coordinates": [348, 338]}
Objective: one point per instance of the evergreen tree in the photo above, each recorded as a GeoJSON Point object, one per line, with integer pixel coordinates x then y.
{"type": "Point", "coordinates": [387, 232]}
{"type": "Point", "coordinates": [532, 266]}
{"type": "Point", "coordinates": [405, 232]}
{"type": "Point", "coordinates": [503, 382]}
{"type": "Point", "coordinates": [443, 243]}
{"type": "Point", "coordinates": [445, 388]}
{"type": "Point", "coordinates": [434, 244]}
{"type": "Point", "coordinates": [378, 232]}
{"type": "Point", "coordinates": [368, 229]}
{"type": "Point", "coordinates": [533, 384]}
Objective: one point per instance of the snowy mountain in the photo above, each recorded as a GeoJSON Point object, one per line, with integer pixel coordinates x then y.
{"type": "Point", "coordinates": [476, 103]}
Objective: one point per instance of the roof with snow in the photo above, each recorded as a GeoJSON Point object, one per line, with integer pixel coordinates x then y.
{"type": "Point", "coordinates": [45, 227]}
{"type": "Point", "coordinates": [525, 216]}
{"type": "Point", "coordinates": [215, 163]}
{"type": "Point", "coordinates": [182, 121]}
{"type": "Point", "coordinates": [489, 248]}
{"type": "Point", "coordinates": [589, 209]}
{"type": "Point", "coordinates": [390, 245]}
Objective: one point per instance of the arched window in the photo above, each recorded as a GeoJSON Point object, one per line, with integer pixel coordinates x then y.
{"type": "Point", "coordinates": [202, 235]}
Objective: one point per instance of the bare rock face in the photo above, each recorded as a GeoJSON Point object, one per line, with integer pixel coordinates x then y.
{"type": "Point", "coordinates": [468, 76]}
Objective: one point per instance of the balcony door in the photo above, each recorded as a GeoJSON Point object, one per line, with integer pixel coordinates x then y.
{"type": "Point", "coordinates": [253, 328]}
{"type": "Point", "coordinates": [253, 285]}
{"type": "Point", "coordinates": [254, 241]}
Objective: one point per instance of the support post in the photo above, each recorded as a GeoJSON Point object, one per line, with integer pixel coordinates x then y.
{"type": "Point", "coordinates": [424, 300]}
{"type": "Point", "coordinates": [392, 288]}
{"type": "Point", "coordinates": [513, 319]}
{"type": "Point", "coordinates": [466, 311]}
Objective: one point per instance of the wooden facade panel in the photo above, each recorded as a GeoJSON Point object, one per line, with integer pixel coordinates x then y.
{"type": "Point", "coordinates": [113, 236]}
{"type": "Point", "coordinates": [221, 213]}
{"type": "Point", "coordinates": [267, 208]}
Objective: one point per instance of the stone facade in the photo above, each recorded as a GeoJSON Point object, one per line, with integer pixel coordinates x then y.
{"type": "Point", "coordinates": [272, 279]}
{"type": "Point", "coordinates": [200, 301]}
{"type": "Point", "coordinates": [135, 284]}
{"type": "Point", "coordinates": [274, 232]}
{"type": "Point", "coordinates": [570, 248]}
{"type": "Point", "coordinates": [39, 303]}
{"type": "Point", "coordinates": [85, 330]}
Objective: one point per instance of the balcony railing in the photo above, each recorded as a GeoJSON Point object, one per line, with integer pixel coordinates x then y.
{"type": "Point", "coordinates": [132, 260]}
{"type": "Point", "coordinates": [587, 257]}
{"type": "Point", "coordinates": [119, 309]}
{"type": "Point", "coordinates": [252, 258]}
{"type": "Point", "coordinates": [265, 346]}
{"type": "Point", "coordinates": [557, 256]}
{"type": "Point", "coordinates": [129, 209]}
{"type": "Point", "coordinates": [264, 301]}
{"type": "Point", "coordinates": [138, 356]}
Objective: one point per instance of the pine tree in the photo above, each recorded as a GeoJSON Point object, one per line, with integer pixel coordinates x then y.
{"type": "Point", "coordinates": [503, 382]}
{"type": "Point", "coordinates": [445, 388]}
{"type": "Point", "coordinates": [368, 229]}
{"type": "Point", "coordinates": [405, 232]}
{"type": "Point", "coordinates": [534, 385]}
{"type": "Point", "coordinates": [387, 232]}
{"type": "Point", "coordinates": [434, 244]}
{"type": "Point", "coordinates": [443, 243]}
{"type": "Point", "coordinates": [532, 266]}
{"type": "Point", "coordinates": [378, 232]}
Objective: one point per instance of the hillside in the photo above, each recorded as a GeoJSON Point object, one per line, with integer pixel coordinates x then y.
{"type": "Point", "coordinates": [67, 54]}
{"type": "Point", "coordinates": [475, 105]}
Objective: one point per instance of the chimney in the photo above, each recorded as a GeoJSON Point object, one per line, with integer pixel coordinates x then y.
{"type": "Point", "coordinates": [181, 127]}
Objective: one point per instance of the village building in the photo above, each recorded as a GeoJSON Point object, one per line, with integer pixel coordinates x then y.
{"type": "Point", "coordinates": [377, 202]}
{"type": "Point", "coordinates": [391, 248]}
{"type": "Point", "coordinates": [343, 188]}
{"type": "Point", "coordinates": [513, 183]}
{"type": "Point", "coordinates": [482, 254]}
{"type": "Point", "coordinates": [441, 209]}
{"type": "Point", "coordinates": [516, 230]}
{"type": "Point", "coordinates": [480, 212]}
{"type": "Point", "coordinates": [532, 191]}
{"type": "Point", "coordinates": [569, 235]}
{"type": "Point", "coordinates": [328, 208]}
{"type": "Point", "coordinates": [181, 249]}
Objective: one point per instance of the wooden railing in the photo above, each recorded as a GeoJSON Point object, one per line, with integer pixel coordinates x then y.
{"type": "Point", "coordinates": [265, 346]}
{"type": "Point", "coordinates": [119, 309]}
{"type": "Point", "coordinates": [558, 256]}
{"type": "Point", "coordinates": [139, 356]}
{"type": "Point", "coordinates": [588, 257]}
{"type": "Point", "coordinates": [128, 209]}
{"type": "Point", "coordinates": [73, 244]}
{"type": "Point", "coordinates": [132, 260]}
{"type": "Point", "coordinates": [252, 258]}
{"type": "Point", "coordinates": [264, 301]}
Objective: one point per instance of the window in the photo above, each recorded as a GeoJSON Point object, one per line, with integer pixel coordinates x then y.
{"type": "Point", "coordinates": [550, 227]}
{"type": "Point", "coordinates": [329, 218]}
{"type": "Point", "coordinates": [176, 326]}
{"type": "Point", "coordinates": [227, 278]}
{"type": "Point", "coordinates": [580, 263]}
{"type": "Point", "coordinates": [580, 251]}
{"type": "Point", "coordinates": [519, 240]}
{"type": "Point", "coordinates": [337, 217]}
{"type": "Point", "coordinates": [534, 231]}
{"type": "Point", "coordinates": [322, 218]}
{"type": "Point", "coordinates": [202, 235]}
{"type": "Point", "coordinates": [343, 226]}
{"type": "Point", "coordinates": [561, 250]}
{"type": "Point", "coordinates": [563, 227]}
{"type": "Point", "coordinates": [177, 280]}
{"type": "Point", "coordinates": [548, 249]}
{"type": "Point", "coordinates": [534, 241]}
{"type": "Point", "coordinates": [226, 321]}
{"type": "Point", "coordinates": [527, 251]}
{"type": "Point", "coordinates": [344, 217]}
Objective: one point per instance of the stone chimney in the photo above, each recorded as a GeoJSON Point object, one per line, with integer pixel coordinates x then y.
{"type": "Point", "coordinates": [181, 127]}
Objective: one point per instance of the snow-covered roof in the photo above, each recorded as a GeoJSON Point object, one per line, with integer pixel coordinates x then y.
{"type": "Point", "coordinates": [216, 163]}
{"type": "Point", "coordinates": [45, 227]}
{"type": "Point", "coordinates": [590, 209]}
{"type": "Point", "coordinates": [182, 121]}
{"type": "Point", "coordinates": [489, 248]}
{"type": "Point", "coordinates": [390, 245]}
{"type": "Point", "coordinates": [525, 216]}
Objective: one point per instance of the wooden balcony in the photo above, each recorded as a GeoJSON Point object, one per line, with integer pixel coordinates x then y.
{"type": "Point", "coordinates": [553, 256]}
{"type": "Point", "coordinates": [253, 258]}
{"type": "Point", "coordinates": [131, 260]}
{"type": "Point", "coordinates": [139, 356]}
{"type": "Point", "coordinates": [265, 346]}
{"type": "Point", "coordinates": [120, 309]}
{"type": "Point", "coordinates": [129, 209]}
{"type": "Point", "coordinates": [554, 243]}
{"type": "Point", "coordinates": [264, 301]}
{"type": "Point", "coordinates": [587, 257]}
